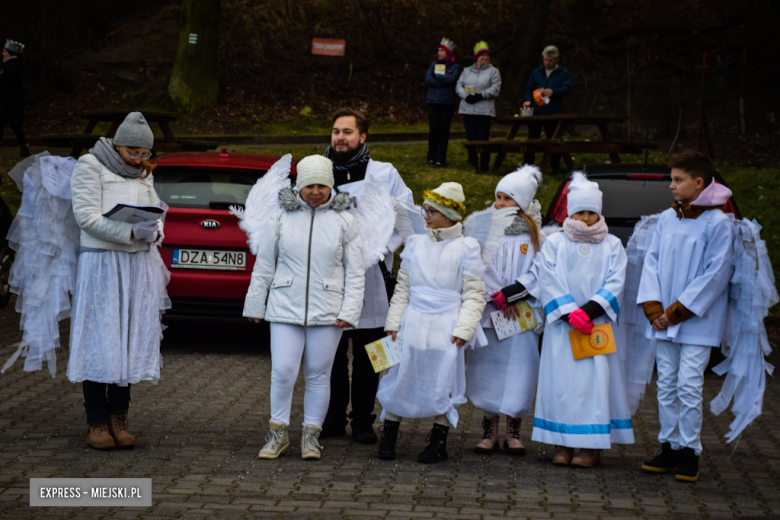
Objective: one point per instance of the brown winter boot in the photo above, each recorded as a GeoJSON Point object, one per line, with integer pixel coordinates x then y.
{"type": "Point", "coordinates": [489, 440]}
{"type": "Point", "coordinates": [117, 425]}
{"type": "Point", "coordinates": [99, 438]}
{"type": "Point", "coordinates": [513, 443]}
{"type": "Point", "coordinates": [563, 456]}
{"type": "Point", "coordinates": [587, 458]}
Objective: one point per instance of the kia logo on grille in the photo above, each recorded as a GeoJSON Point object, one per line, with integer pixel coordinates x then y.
{"type": "Point", "coordinates": [209, 224]}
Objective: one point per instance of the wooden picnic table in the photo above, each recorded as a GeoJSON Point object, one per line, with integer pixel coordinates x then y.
{"type": "Point", "coordinates": [168, 143]}
{"type": "Point", "coordinates": [557, 143]}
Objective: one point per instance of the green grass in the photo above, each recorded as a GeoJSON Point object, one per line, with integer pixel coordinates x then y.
{"type": "Point", "coordinates": [756, 190]}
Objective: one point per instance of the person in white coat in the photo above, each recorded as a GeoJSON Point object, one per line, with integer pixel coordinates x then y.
{"type": "Point", "coordinates": [309, 269]}
{"type": "Point", "coordinates": [580, 403]}
{"type": "Point", "coordinates": [501, 377]}
{"type": "Point", "coordinates": [435, 311]}
{"type": "Point", "coordinates": [352, 167]}
{"type": "Point", "coordinates": [684, 291]}
{"type": "Point", "coordinates": [115, 325]}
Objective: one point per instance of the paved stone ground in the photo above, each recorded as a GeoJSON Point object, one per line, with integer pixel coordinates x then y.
{"type": "Point", "coordinates": [200, 429]}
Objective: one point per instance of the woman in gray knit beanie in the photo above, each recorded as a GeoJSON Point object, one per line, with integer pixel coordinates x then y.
{"type": "Point", "coordinates": [120, 287]}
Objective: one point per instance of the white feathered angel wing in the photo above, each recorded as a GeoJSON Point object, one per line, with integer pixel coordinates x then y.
{"type": "Point", "coordinates": [408, 219]}
{"type": "Point", "coordinates": [376, 220]}
{"type": "Point", "coordinates": [745, 344]}
{"type": "Point", "coordinates": [487, 227]}
{"type": "Point", "coordinates": [637, 352]}
{"type": "Point", "coordinates": [263, 201]}
{"type": "Point", "coordinates": [45, 236]}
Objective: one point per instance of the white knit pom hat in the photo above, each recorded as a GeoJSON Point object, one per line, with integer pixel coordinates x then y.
{"type": "Point", "coordinates": [314, 169]}
{"type": "Point", "coordinates": [521, 185]}
{"type": "Point", "coordinates": [583, 195]}
{"type": "Point", "coordinates": [447, 199]}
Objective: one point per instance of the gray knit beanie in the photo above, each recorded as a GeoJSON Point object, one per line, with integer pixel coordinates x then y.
{"type": "Point", "coordinates": [134, 132]}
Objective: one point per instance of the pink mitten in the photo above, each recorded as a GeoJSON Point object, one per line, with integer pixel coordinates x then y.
{"type": "Point", "coordinates": [580, 321]}
{"type": "Point", "coordinates": [499, 300]}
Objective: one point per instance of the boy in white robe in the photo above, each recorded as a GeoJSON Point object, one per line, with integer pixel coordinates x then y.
{"type": "Point", "coordinates": [684, 293]}
{"type": "Point", "coordinates": [436, 309]}
{"type": "Point", "coordinates": [580, 403]}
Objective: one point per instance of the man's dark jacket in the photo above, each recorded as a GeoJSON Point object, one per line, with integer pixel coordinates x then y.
{"type": "Point", "coordinates": [560, 83]}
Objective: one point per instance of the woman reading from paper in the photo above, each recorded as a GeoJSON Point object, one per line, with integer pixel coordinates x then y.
{"type": "Point", "coordinates": [120, 288]}
{"type": "Point", "coordinates": [308, 282]}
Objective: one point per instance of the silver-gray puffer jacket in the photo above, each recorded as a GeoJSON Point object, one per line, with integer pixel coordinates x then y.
{"type": "Point", "coordinates": [485, 81]}
{"type": "Point", "coordinates": [311, 261]}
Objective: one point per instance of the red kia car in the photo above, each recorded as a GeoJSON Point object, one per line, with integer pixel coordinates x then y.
{"type": "Point", "coordinates": [204, 248]}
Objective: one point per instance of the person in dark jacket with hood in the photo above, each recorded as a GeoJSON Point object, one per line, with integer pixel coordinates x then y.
{"type": "Point", "coordinates": [441, 77]}
{"type": "Point", "coordinates": [555, 83]}
{"type": "Point", "coordinates": [12, 94]}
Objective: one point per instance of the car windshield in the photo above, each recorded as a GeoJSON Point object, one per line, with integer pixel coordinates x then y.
{"type": "Point", "coordinates": [632, 198]}
{"type": "Point", "coordinates": [215, 189]}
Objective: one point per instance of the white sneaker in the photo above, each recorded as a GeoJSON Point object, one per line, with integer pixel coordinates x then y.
{"type": "Point", "coordinates": [310, 445]}
{"type": "Point", "coordinates": [276, 441]}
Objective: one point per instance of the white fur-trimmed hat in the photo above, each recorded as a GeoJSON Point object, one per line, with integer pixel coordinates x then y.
{"type": "Point", "coordinates": [521, 185]}
{"type": "Point", "coordinates": [583, 195]}
{"type": "Point", "coordinates": [314, 169]}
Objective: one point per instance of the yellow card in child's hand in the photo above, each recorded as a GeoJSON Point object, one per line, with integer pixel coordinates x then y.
{"type": "Point", "coordinates": [600, 341]}
{"type": "Point", "coordinates": [440, 68]}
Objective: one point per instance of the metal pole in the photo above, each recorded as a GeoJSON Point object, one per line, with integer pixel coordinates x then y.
{"type": "Point", "coordinates": [701, 101]}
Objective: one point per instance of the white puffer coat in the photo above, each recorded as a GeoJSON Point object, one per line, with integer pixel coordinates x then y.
{"type": "Point", "coordinates": [311, 261]}
{"type": "Point", "coordinates": [96, 190]}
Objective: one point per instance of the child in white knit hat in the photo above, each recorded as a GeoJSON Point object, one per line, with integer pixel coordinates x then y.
{"type": "Point", "coordinates": [580, 403]}
{"type": "Point", "coordinates": [501, 378]}
{"type": "Point", "coordinates": [436, 309]}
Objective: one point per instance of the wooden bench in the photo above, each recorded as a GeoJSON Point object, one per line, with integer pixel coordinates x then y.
{"type": "Point", "coordinates": [557, 143]}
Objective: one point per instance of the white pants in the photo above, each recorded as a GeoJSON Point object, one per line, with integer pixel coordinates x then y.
{"type": "Point", "coordinates": [680, 382]}
{"type": "Point", "coordinates": [317, 346]}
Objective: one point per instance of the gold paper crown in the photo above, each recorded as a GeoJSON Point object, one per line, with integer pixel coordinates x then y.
{"type": "Point", "coordinates": [13, 46]}
{"type": "Point", "coordinates": [444, 201]}
{"type": "Point", "coordinates": [447, 43]}
{"type": "Point", "coordinates": [481, 47]}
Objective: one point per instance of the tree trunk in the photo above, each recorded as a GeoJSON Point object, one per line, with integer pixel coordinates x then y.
{"type": "Point", "coordinates": [531, 33]}
{"type": "Point", "coordinates": [194, 80]}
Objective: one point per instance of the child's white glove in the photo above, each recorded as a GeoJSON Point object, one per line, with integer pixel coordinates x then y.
{"type": "Point", "coordinates": [146, 230]}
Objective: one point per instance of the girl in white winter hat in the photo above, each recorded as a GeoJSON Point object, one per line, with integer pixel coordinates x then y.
{"type": "Point", "coordinates": [580, 403]}
{"type": "Point", "coordinates": [501, 378]}
{"type": "Point", "coordinates": [435, 311]}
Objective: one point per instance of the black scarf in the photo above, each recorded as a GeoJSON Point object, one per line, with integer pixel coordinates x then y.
{"type": "Point", "coordinates": [351, 171]}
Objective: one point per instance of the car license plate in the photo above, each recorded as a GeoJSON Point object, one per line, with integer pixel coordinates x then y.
{"type": "Point", "coordinates": [207, 259]}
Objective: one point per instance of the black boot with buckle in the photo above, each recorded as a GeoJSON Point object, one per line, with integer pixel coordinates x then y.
{"type": "Point", "coordinates": [665, 462]}
{"type": "Point", "coordinates": [390, 435]}
{"type": "Point", "coordinates": [437, 445]}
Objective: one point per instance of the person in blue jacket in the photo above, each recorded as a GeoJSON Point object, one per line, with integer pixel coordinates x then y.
{"type": "Point", "coordinates": [441, 78]}
{"type": "Point", "coordinates": [555, 82]}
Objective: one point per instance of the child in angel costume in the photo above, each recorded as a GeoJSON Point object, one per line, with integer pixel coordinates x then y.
{"type": "Point", "coordinates": [308, 282]}
{"type": "Point", "coordinates": [580, 403]}
{"type": "Point", "coordinates": [501, 377]}
{"type": "Point", "coordinates": [65, 245]}
{"type": "Point", "coordinates": [435, 311]}
{"type": "Point", "coordinates": [702, 280]}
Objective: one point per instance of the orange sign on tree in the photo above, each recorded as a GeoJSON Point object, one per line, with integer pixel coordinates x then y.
{"type": "Point", "coordinates": [328, 46]}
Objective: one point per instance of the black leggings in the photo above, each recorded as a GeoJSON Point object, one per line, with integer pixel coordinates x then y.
{"type": "Point", "coordinates": [16, 128]}
{"type": "Point", "coordinates": [101, 399]}
{"type": "Point", "coordinates": [478, 129]}
{"type": "Point", "coordinates": [439, 121]}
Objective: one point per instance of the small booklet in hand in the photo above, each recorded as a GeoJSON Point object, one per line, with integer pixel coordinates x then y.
{"type": "Point", "coordinates": [385, 352]}
{"type": "Point", "coordinates": [600, 341]}
{"type": "Point", "coordinates": [134, 214]}
{"type": "Point", "coordinates": [507, 328]}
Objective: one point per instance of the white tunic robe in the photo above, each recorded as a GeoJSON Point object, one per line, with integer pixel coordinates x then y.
{"type": "Point", "coordinates": [580, 403]}
{"type": "Point", "coordinates": [502, 377]}
{"type": "Point", "coordinates": [430, 380]}
{"type": "Point", "coordinates": [375, 309]}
